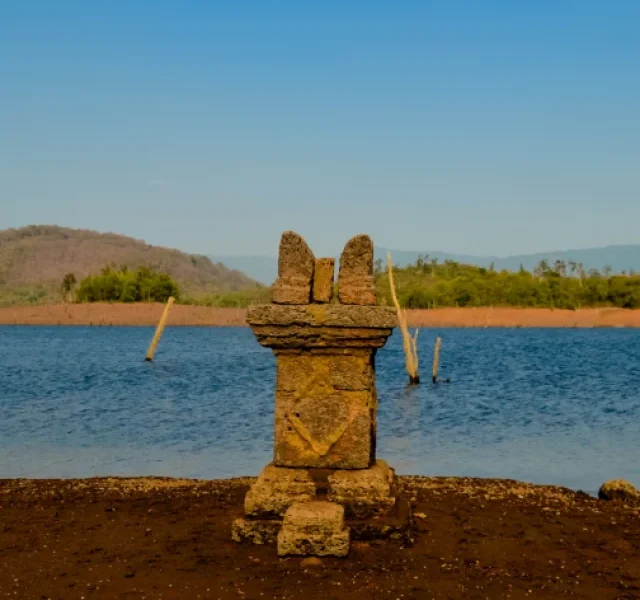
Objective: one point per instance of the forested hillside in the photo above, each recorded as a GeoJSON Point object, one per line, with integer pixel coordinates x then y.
{"type": "Point", "coordinates": [34, 261]}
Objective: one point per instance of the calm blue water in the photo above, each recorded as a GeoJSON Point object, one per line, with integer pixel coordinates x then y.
{"type": "Point", "coordinates": [547, 406]}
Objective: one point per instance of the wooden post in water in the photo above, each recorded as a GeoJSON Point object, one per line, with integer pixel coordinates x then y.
{"type": "Point", "coordinates": [163, 321]}
{"type": "Point", "coordinates": [436, 361]}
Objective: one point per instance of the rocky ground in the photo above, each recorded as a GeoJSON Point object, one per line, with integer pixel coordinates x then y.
{"type": "Point", "coordinates": [101, 315]}
{"type": "Point", "coordinates": [170, 539]}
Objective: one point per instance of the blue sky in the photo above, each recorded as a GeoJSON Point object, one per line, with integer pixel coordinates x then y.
{"type": "Point", "coordinates": [476, 127]}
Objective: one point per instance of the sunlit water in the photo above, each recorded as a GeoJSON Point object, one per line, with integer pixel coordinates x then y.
{"type": "Point", "coordinates": [547, 406]}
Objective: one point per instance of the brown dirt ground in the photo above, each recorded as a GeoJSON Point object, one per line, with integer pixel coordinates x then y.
{"type": "Point", "coordinates": [149, 314]}
{"type": "Point", "coordinates": [170, 539]}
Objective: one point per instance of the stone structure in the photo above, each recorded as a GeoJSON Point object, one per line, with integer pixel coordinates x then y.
{"type": "Point", "coordinates": [325, 484]}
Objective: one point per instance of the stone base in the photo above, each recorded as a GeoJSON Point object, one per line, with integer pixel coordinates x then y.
{"type": "Point", "coordinates": [364, 493]}
{"type": "Point", "coordinates": [276, 489]}
{"type": "Point", "coordinates": [256, 531]}
{"type": "Point", "coordinates": [314, 529]}
{"type": "Point", "coordinates": [397, 525]}
{"type": "Point", "coordinates": [372, 507]}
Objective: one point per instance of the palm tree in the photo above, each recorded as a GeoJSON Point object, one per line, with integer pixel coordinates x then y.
{"type": "Point", "coordinates": [560, 268]}
{"type": "Point", "coordinates": [434, 264]}
{"type": "Point", "coordinates": [581, 273]}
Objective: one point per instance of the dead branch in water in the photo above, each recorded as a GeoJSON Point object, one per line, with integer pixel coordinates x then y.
{"type": "Point", "coordinates": [436, 361]}
{"type": "Point", "coordinates": [409, 343]}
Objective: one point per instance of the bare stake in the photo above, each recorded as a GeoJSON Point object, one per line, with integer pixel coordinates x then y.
{"type": "Point", "coordinates": [436, 361]}
{"type": "Point", "coordinates": [156, 338]}
{"type": "Point", "coordinates": [409, 343]}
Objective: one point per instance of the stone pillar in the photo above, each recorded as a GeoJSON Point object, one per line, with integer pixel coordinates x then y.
{"type": "Point", "coordinates": [325, 398]}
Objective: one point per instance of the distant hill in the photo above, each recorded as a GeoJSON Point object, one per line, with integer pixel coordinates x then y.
{"type": "Point", "coordinates": [620, 258]}
{"type": "Point", "coordinates": [261, 268]}
{"type": "Point", "coordinates": [34, 260]}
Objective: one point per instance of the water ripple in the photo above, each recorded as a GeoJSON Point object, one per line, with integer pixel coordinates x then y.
{"type": "Point", "coordinates": [549, 406]}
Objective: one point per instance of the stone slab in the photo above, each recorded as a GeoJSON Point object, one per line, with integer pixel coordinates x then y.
{"type": "Point", "coordinates": [323, 315]}
{"type": "Point", "coordinates": [308, 338]}
{"type": "Point", "coordinates": [316, 517]}
{"type": "Point", "coordinates": [276, 489]}
{"type": "Point", "coordinates": [322, 291]}
{"type": "Point", "coordinates": [314, 529]}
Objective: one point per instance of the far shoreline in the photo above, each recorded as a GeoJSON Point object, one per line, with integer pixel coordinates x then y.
{"type": "Point", "coordinates": [146, 315]}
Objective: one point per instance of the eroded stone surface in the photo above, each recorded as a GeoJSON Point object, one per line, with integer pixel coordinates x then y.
{"type": "Point", "coordinates": [332, 430]}
{"type": "Point", "coordinates": [321, 326]}
{"type": "Point", "coordinates": [353, 372]}
{"type": "Point", "coordinates": [620, 490]}
{"type": "Point", "coordinates": [318, 424]}
{"type": "Point", "coordinates": [276, 489]}
{"type": "Point", "coordinates": [321, 315]}
{"type": "Point", "coordinates": [355, 277]}
{"type": "Point", "coordinates": [314, 528]}
{"type": "Point", "coordinates": [323, 280]}
{"type": "Point", "coordinates": [295, 543]}
{"type": "Point", "coordinates": [364, 493]}
{"type": "Point", "coordinates": [315, 517]}
{"type": "Point", "coordinates": [295, 271]}
{"type": "Point", "coordinates": [256, 531]}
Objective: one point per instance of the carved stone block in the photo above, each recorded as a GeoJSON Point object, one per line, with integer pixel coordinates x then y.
{"type": "Point", "coordinates": [276, 490]}
{"type": "Point", "coordinates": [324, 428]}
{"type": "Point", "coordinates": [364, 493]}
{"type": "Point", "coordinates": [323, 280]}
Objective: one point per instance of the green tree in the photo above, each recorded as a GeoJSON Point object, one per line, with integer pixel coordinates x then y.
{"type": "Point", "coordinates": [68, 283]}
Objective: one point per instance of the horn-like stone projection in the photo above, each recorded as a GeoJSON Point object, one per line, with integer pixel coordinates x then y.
{"type": "Point", "coordinates": [355, 278]}
{"type": "Point", "coordinates": [325, 408]}
{"type": "Point", "coordinates": [295, 271]}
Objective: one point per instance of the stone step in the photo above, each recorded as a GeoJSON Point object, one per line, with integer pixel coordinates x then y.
{"type": "Point", "coordinates": [314, 528]}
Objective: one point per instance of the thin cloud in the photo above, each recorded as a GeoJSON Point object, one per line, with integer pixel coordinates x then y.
{"type": "Point", "coordinates": [157, 182]}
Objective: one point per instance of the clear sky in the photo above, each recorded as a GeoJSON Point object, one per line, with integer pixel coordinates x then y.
{"type": "Point", "coordinates": [482, 127]}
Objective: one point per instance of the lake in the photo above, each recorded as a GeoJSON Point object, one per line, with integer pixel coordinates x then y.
{"type": "Point", "coordinates": [541, 405]}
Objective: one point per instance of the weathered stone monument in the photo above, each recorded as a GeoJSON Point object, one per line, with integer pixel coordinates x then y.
{"type": "Point", "coordinates": [324, 486]}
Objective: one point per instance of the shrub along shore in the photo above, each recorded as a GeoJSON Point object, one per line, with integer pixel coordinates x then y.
{"type": "Point", "coordinates": [148, 314]}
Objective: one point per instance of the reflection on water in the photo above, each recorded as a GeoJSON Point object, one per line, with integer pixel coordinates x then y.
{"type": "Point", "coordinates": [548, 406]}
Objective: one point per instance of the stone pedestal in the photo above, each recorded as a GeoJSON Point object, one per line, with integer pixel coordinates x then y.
{"type": "Point", "coordinates": [324, 460]}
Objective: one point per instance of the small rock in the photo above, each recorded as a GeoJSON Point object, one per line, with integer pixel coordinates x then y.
{"type": "Point", "coordinates": [311, 562]}
{"type": "Point", "coordinates": [619, 489]}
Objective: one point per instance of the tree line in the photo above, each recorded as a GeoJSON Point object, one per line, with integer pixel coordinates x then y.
{"type": "Point", "coordinates": [425, 284]}
{"type": "Point", "coordinates": [120, 284]}
{"type": "Point", "coordinates": [431, 284]}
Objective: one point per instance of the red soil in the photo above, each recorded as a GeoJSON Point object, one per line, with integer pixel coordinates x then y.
{"type": "Point", "coordinates": [149, 314]}
{"type": "Point", "coordinates": [103, 539]}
